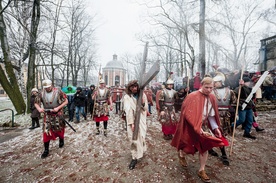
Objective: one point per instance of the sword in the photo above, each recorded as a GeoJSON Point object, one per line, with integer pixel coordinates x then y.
{"type": "Point", "coordinates": [62, 118]}
{"type": "Point", "coordinates": [254, 89]}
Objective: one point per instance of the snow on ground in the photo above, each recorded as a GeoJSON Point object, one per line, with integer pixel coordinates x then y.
{"type": "Point", "coordinates": [87, 157]}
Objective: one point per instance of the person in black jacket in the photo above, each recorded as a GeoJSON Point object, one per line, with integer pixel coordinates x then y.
{"type": "Point", "coordinates": [35, 114]}
{"type": "Point", "coordinates": [90, 101]}
{"type": "Point", "coordinates": [79, 101]}
{"type": "Point", "coordinates": [246, 115]}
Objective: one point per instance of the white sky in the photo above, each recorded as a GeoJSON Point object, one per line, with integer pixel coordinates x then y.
{"type": "Point", "coordinates": [119, 21]}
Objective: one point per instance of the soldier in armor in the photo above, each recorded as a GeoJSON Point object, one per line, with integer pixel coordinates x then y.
{"type": "Point", "coordinates": [167, 117]}
{"type": "Point", "coordinates": [117, 94]}
{"type": "Point", "coordinates": [225, 97]}
{"type": "Point", "coordinates": [53, 100]}
{"type": "Point", "coordinates": [102, 99]}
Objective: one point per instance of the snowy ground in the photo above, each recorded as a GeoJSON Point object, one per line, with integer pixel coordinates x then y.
{"type": "Point", "coordinates": [87, 157]}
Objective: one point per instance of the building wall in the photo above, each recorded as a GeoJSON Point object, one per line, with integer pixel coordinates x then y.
{"type": "Point", "coordinates": [110, 74]}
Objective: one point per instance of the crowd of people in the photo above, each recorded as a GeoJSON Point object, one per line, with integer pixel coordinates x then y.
{"type": "Point", "coordinates": [194, 118]}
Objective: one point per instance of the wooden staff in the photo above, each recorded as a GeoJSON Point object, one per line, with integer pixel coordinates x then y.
{"type": "Point", "coordinates": [236, 113]}
{"type": "Point", "coordinates": [188, 81]}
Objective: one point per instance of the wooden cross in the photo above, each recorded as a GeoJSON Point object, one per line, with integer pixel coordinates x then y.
{"type": "Point", "coordinates": [145, 78]}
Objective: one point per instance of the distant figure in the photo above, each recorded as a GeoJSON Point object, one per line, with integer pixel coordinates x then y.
{"type": "Point", "coordinates": [117, 94]}
{"type": "Point", "coordinates": [196, 82]}
{"type": "Point", "coordinates": [90, 100]}
{"type": "Point", "coordinates": [35, 114]}
{"type": "Point", "coordinates": [79, 102]}
{"type": "Point", "coordinates": [70, 106]}
{"type": "Point", "coordinates": [149, 94]}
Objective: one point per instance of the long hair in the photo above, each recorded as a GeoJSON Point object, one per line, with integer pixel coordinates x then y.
{"type": "Point", "coordinates": [132, 83]}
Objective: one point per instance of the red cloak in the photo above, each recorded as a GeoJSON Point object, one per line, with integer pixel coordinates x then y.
{"type": "Point", "coordinates": [187, 136]}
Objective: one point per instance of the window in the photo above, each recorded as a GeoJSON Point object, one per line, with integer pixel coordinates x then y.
{"type": "Point", "coordinates": [117, 79]}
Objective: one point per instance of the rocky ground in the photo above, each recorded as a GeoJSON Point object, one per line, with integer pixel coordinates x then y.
{"type": "Point", "coordinates": [87, 157]}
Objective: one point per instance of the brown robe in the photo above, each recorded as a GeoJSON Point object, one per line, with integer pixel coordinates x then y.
{"type": "Point", "coordinates": [187, 136]}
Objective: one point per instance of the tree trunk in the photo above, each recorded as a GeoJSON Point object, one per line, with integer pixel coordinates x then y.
{"type": "Point", "coordinates": [32, 58]}
{"type": "Point", "coordinates": [7, 76]}
{"type": "Point", "coordinates": [202, 37]}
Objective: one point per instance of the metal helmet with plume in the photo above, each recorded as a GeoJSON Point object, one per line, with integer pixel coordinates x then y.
{"type": "Point", "coordinates": [170, 81]}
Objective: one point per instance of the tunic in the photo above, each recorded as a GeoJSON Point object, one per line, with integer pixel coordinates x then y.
{"type": "Point", "coordinates": [138, 147]}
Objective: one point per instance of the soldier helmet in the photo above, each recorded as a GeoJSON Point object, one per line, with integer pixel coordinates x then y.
{"type": "Point", "coordinates": [217, 78]}
{"type": "Point", "coordinates": [46, 83]}
{"type": "Point", "coordinates": [169, 82]}
{"type": "Point", "coordinates": [34, 90]}
{"type": "Point", "coordinates": [101, 81]}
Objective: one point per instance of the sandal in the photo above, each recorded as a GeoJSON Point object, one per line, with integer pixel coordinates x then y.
{"type": "Point", "coordinates": [182, 161]}
{"type": "Point", "coordinates": [203, 176]}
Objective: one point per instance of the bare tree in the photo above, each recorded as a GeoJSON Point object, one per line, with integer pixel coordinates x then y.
{"type": "Point", "coordinates": [80, 41]}
{"type": "Point", "coordinates": [8, 78]}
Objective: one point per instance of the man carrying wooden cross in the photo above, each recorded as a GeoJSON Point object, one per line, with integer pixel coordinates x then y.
{"type": "Point", "coordinates": [138, 147]}
{"type": "Point", "coordinates": [135, 107]}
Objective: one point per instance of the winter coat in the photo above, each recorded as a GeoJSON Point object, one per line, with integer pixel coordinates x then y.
{"type": "Point", "coordinates": [35, 113]}
{"type": "Point", "coordinates": [79, 99]}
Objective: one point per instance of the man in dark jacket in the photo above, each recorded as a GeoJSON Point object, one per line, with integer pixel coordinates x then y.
{"type": "Point", "coordinates": [246, 115]}
{"type": "Point", "coordinates": [90, 101]}
{"type": "Point", "coordinates": [79, 101]}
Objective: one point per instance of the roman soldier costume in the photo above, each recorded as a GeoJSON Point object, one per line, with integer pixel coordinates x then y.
{"type": "Point", "coordinates": [102, 99]}
{"type": "Point", "coordinates": [117, 94]}
{"type": "Point", "coordinates": [167, 116]}
{"type": "Point", "coordinates": [53, 125]}
{"type": "Point", "coordinates": [225, 97]}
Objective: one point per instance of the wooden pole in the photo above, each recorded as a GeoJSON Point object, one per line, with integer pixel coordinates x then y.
{"type": "Point", "coordinates": [236, 113]}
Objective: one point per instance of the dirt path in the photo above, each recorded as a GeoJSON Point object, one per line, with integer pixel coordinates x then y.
{"type": "Point", "coordinates": [90, 158]}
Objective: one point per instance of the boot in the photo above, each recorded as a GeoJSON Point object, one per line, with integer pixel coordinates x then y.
{"type": "Point", "coordinates": [98, 131]}
{"type": "Point", "coordinates": [46, 150]}
{"type": "Point", "coordinates": [248, 135]}
{"type": "Point", "coordinates": [105, 132]}
{"type": "Point", "coordinates": [212, 152]}
{"type": "Point", "coordinates": [132, 164]}
{"type": "Point", "coordinates": [258, 129]}
{"type": "Point", "coordinates": [61, 143]}
{"type": "Point", "coordinates": [33, 125]}
{"type": "Point", "coordinates": [37, 123]}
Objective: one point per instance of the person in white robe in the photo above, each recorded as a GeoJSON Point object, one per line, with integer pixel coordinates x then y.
{"type": "Point", "coordinates": [137, 147]}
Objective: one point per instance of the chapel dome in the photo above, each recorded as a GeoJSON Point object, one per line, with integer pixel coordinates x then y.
{"type": "Point", "coordinates": [114, 64]}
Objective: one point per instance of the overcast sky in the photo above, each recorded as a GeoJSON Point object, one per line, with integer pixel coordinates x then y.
{"type": "Point", "coordinates": [119, 21]}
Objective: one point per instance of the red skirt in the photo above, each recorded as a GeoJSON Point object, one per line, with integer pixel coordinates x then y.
{"type": "Point", "coordinates": [53, 135]}
{"type": "Point", "coordinates": [168, 129]}
{"type": "Point", "coordinates": [101, 118]}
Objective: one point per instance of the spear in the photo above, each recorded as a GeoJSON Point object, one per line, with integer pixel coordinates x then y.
{"type": "Point", "coordinates": [188, 81]}
{"type": "Point", "coordinates": [236, 113]}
